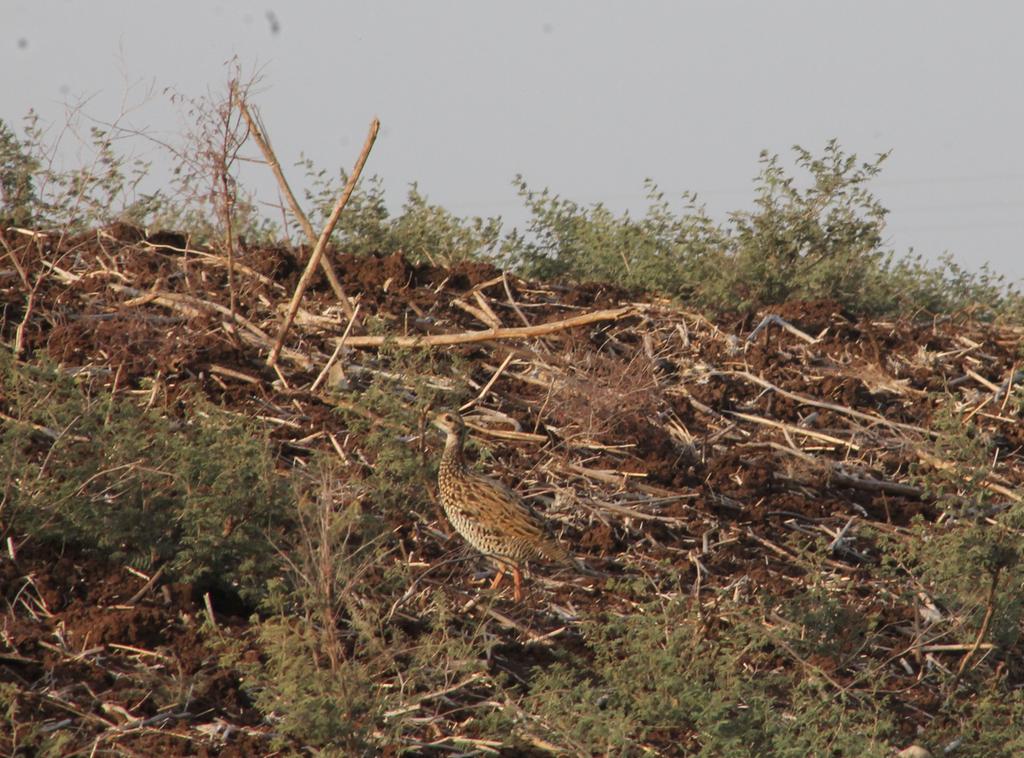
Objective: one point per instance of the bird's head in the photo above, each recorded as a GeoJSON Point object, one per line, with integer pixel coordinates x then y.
{"type": "Point", "coordinates": [450, 423]}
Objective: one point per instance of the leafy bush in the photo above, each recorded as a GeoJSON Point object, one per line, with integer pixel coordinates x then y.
{"type": "Point", "coordinates": [39, 192]}
{"type": "Point", "coordinates": [817, 234]}
{"type": "Point", "coordinates": [819, 241]}
{"type": "Point", "coordinates": [816, 238]}
{"type": "Point", "coordinates": [85, 467]}
{"type": "Point", "coordinates": [421, 231]}
{"type": "Point", "coordinates": [17, 187]}
{"type": "Point", "coordinates": [661, 670]}
{"type": "Point", "coordinates": [659, 252]}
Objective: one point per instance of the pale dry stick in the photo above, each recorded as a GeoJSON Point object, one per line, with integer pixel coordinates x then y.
{"type": "Point", "coordinates": [684, 334]}
{"type": "Point", "coordinates": [977, 410]}
{"type": "Point", "coordinates": [337, 349]}
{"type": "Point", "coordinates": [981, 380]}
{"type": "Point", "coordinates": [157, 386]}
{"type": "Point", "coordinates": [420, 699]}
{"type": "Point", "coordinates": [868, 484]}
{"type": "Point", "coordinates": [1007, 388]}
{"type": "Point", "coordinates": [490, 747]}
{"type": "Point", "coordinates": [22, 274]}
{"type": "Point", "coordinates": [485, 306]}
{"type": "Point", "coordinates": [624, 479]}
{"type": "Point", "coordinates": [794, 558]}
{"type": "Point", "coordinates": [957, 648]}
{"type": "Point", "coordinates": [281, 377]}
{"type": "Point", "coordinates": [502, 434]}
{"type": "Point", "coordinates": [512, 301]}
{"type": "Point", "coordinates": [490, 383]}
{"type": "Point", "coordinates": [19, 333]}
{"type": "Point", "coordinates": [841, 535]}
{"type": "Point", "coordinates": [321, 243]}
{"type": "Point", "coordinates": [193, 307]}
{"type": "Point", "coordinates": [307, 318]}
{"type": "Point", "coordinates": [795, 429]}
{"type": "Point", "coordinates": [30, 298]}
{"type": "Point", "coordinates": [188, 304]}
{"type": "Point", "coordinates": [150, 584]}
{"type": "Point", "coordinates": [990, 607]}
{"type": "Point", "coordinates": [258, 131]}
{"type": "Point", "coordinates": [208, 605]}
{"type": "Point", "coordinates": [501, 618]}
{"type": "Point", "coordinates": [46, 431]}
{"type": "Point", "coordinates": [231, 373]}
{"type": "Point", "coordinates": [772, 318]}
{"type": "Point", "coordinates": [477, 313]}
{"type": "Point", "coordinates": [804, 400]}
{"type": "Point", "coordinates": [225, 158]}
{"type": "Point", "coordinates": [938, 463]}
{"type": "Point", "coordinates": [486, 335]}
{"type": "Point", "coordinates": [216, 259]}
{"type": "Point", "coordinates": [481, 286]}
{"type": "Point", "coordinates": [622, 511]}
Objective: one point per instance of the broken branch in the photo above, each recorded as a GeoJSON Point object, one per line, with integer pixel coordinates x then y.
{"type": "Point", "coordinates": [486, 335]}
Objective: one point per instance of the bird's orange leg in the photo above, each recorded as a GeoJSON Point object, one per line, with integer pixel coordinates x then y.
{"type": "Point", "coordinates": [517, 580]}
{"type": "Point", "coordinates": [498, 577]}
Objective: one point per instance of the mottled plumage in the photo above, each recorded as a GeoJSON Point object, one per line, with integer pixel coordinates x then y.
{"type": "Point", "coordinates": [490, 516]}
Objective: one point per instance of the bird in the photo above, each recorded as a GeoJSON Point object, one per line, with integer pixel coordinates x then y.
{"type": "Point", "coordinates": [490, 516]}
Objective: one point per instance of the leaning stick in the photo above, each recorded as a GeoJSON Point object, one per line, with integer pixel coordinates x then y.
{"type": "Point", "coordinates": [795, 429]}
{"type": "Point", "coordinates": [804, 400]}
{"type": "Point", "coordinates": [337, 350]}
{"type": "Point", "coordinates": [321, 243]}
{"type": "Point", "coordinates": [256, 130]}
{"type": "Point", "coordinates": [486, 335]}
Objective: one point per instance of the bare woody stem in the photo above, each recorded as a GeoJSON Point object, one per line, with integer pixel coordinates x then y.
{"type": "Point", "coordinates": [990, 607]}
{"type": "Point", "coordinates": [321, 243]}
{"type": "Point", "coordinates": [487, 335]}
{"type": "Point", "coordinates": [257, 130]}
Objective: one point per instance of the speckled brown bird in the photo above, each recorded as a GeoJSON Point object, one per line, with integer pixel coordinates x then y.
{"type": "Point", "coordinates": [490, 516]}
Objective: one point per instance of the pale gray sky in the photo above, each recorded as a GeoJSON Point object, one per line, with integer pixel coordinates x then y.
{"type": "Point", "coordinates": [587, 98]}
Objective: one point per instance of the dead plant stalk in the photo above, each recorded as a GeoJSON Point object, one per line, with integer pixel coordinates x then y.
{"type": "Point", "coordinates": [433, 340]}
{"type": "Point", "coordinates": [321, 243]}
{"type": "Point", "coordinates": [258, 132]}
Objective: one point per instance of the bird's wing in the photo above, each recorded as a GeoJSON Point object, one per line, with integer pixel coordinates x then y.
{"type": "Point", "coordinates": [503, 511]}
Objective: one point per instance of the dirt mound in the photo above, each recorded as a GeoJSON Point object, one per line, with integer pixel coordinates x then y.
{"type": "Point", "coordinates": [661, 440]}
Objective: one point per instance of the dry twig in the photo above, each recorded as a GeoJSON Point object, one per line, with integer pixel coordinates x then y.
{"type": "Point", "coordinates": [321, 243]}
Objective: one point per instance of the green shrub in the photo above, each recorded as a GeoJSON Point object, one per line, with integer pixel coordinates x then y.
{"type": "Point", "coordinates": [328, 706]}
{"type": "Point", "coordinates": [18, 168]}
{"type": "Point", "coordinates": [98, 471]}
{"type": "Point", "coordinates": [817, 237]}
{"type": "Point", "coordinates": [966, 556]}
{"type": "Point", "coordinates": [822, 240]}
{"type": "Point", "coordinates": [38, 191]}
{"type": "Point", "coordinates": [818, 233]}
{"type": "Point", "coordinates": [658, 671]}
{"type": "Point", "coordinates": [423, 232]}
{"type": "Point", "coordinates": [659, 252]}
